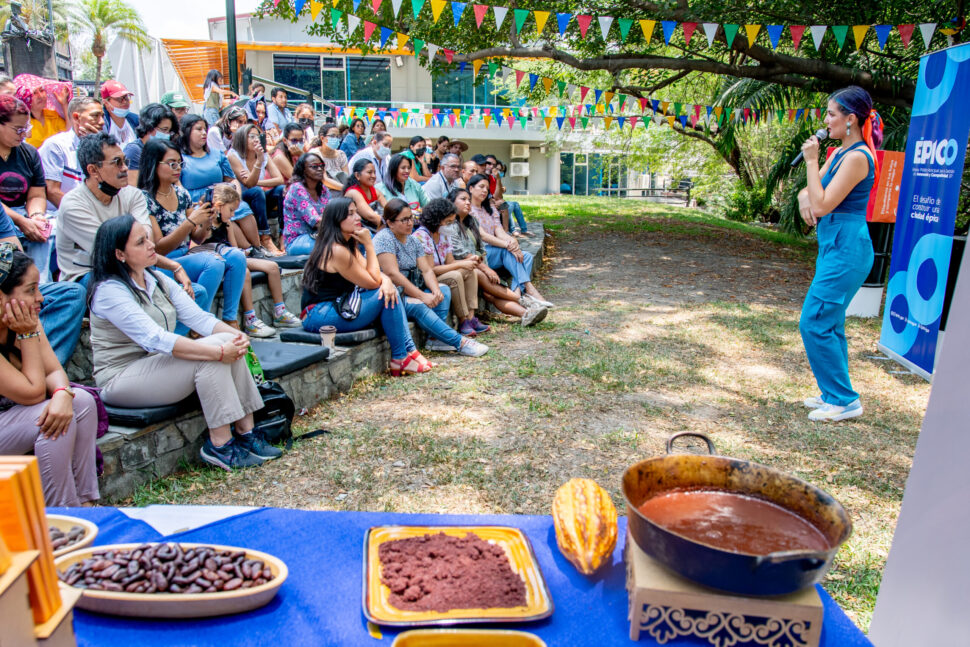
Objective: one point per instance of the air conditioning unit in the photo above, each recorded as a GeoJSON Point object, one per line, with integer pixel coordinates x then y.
{"type": "Point", "coordinates": [519, 169]}
{"type": "Point", "coordinates": [520, 151]}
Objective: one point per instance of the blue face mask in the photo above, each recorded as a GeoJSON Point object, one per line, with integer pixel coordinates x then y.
{"type": "Point", "coordinates": [333, 142]}
{"type": "Point", "coordinates": [429, 151]}
{"type": "Point", "coordinates": [120, 113]}
{"type": "Point", "coordinates": [160, 135]}
{"type": "Point", "coordinates": [501, 173]}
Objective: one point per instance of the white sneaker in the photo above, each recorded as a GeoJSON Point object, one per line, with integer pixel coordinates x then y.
{"type": "Point", "coordinates": [834, 413]}
{"type": "Point", "coordinates": [543, 302]}
{"type": "Point", "coordinates": [534, 314]}
{"type": "Point", "coordinates": [438, 346]}
{"type": "Point", "coordinates": [472, 348]}
{"type": "Point", "coordinates": [257, 328]}
{"type": "Point", "coordinates": [814, 402]}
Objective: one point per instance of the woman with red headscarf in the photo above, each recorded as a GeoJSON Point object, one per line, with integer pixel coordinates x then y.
{"type": "Point", "coordinates": [39, 95]}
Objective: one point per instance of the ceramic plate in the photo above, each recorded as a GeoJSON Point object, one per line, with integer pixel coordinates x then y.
{"type": "Point", "coordinates": [177, 605]}
{"type": "Point", "coordinates": [64, 524]}
{"type": "Point", "coordinates": [467, 638]}
{"type": "Point", "coordinates": [378, 609]}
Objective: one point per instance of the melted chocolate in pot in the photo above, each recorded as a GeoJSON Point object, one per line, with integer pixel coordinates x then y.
{"type": "Point", "coordinates": [734, 522]}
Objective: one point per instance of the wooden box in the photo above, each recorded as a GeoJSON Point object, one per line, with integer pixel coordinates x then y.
{"type": "Point", "coordinates": [58, 631]}
{"type": "Point", "coordinates": [16, 618]}
{"type": "Point", "coordinates": [667, 607]}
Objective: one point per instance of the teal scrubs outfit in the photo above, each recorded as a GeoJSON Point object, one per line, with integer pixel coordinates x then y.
{"type": "Point", "coordinates": [844, 259]}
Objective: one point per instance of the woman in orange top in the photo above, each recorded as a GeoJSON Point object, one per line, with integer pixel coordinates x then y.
{"type": "Point", "coordinates": [44, 121]}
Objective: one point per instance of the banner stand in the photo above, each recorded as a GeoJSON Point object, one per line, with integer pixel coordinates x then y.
{"type": "Point", "coordinates": [905, 363]}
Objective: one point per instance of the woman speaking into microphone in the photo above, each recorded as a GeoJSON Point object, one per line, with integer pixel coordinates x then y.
{"type": "Point", "coordinates": [835, 201]}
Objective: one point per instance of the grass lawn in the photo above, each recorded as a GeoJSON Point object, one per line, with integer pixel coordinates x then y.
{"type": "Point", "coordinates": [668, 320]}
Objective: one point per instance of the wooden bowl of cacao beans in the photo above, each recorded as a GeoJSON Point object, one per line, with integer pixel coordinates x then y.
{"type": "Point", "coordinates": [171, 580]}
{"type": "Point", "coordinates": [70, 533]}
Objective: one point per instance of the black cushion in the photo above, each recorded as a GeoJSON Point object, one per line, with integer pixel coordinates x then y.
{"type": "Point", "coordinates": [278, 359]}
{"type": "Point", "coordinates": [290, 262]}
{"type": "Point", "coordinates": [146, 416]}
{"type": "Point", "coordinates": [301, 336]}
{"type": "Point", "coordinates": [257, 277]}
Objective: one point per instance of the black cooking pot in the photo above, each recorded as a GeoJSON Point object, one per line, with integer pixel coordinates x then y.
{"type": "Point", "coordinates": [773, 574]}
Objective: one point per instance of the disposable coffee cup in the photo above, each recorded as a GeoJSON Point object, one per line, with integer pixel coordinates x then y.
{"type": "Point", "coordinates": [327, 335]}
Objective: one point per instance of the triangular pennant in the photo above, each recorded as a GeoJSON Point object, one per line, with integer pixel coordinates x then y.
{"type": "Point", "coordinates": [396, 6]}
{"type": "Point", "coordinates": [402, 40]}
{"type": "Point", "coordinates": [572, 122]}
{"type": "Point", "coordinates": [369, 28]}
{"type": "Point", "coordinates": [370, 114]}
{"type": "Point", "coordinates": [607, 97]}
{"type": "Point", "coordinates": [730, 31]}
{"type": "Point", "coordinates": [647, 27]}
{"type": "Point", "coordinates": [905, 33]}
{"type": "Point", "coordinates": [463, 120]}
{"type": "Point", "coordinates": [298, 6]}
{"type": "Point", "coordinates": [559, 122]}
{"type": "Point", "coordinates": [633, 122]}
{"type": "Point", "coordinates": [520, 16]}
{"type": "Point", "coordinates": [541, 18]}
{"type": "Point", "coordinates": [584, 21]}
{"type": "Point", "coordinates": [710, 31]}
{"type": "Point", "coordinates": [752, 32]}
{"type": "Point", "coordinates": [562, 19]}
{"type": "Point", "coordinates": [774, 34]}
{"type": "Point", "coordinates": [607, 122]}
{"type": "Point", "coordinates": [533, 79]}
{"type": "Point", "coordinates": [584, 121]}
{"type": "Point", "coordinates": [547, 84]}
{"type": "Point", "coordinates": [476, 65]}
{"type": "Point", "coordinates": [643, 104]}
{"type": "Point", "coordinates": [499, 15]}
{"type": "Point", "coordinates": [689, 28]}
{"type": "Point", "coordinates": [418, 45]}
{"type": "Point", "coordinates": [480, 11]}
{"type": "Point", "coordinates": [335, 16]}
{"type": "Point", "coordinates": [596, 95]}
{"type": "Point", "coordinates": [840, 31]}
{"type": "Point", "coordinates": [487, 119]}
{"type": "Point", "coordinates": [683, 121]}
{"type": "Point", "coordinates": [457, 9]}
{"type": "Point", "coordinates": [432, 52]}
{"type": "Point", "coordinates": [449, 54]}
{"type": "Point", "coordinates": [668, 27]}
{"type": "Point", "coordinates": [562, 87]}
{"type": "Point", "coordinates": [620, 121]}
{"type": "Point", "coordinates": [859, 34]}
{"type": "Point", "coordinates": [522, 121]}
{"type": "Point", "coordinates": [519, 75]}
{"type": "Point", "coordinates": [818, 33]}
{"type": "Point", "coordinates": [927, 29]}
{"type": "Point", "coordinates": [356, 5]}
{"type": "Point", "coordinates": [492, 69]}
{"type": "Point", "coordinates": [352, 23]}
{"type": "Point", "coordinates": [386, 33]}
{"type": "Point", "coordinates": [376, 5]}
{"type": "Point", "coordinates": [625, 24]}
{"type": "Point", "coordinates": [663, 106]}
{"type": "Point", "coordinates": [796, 34]}
{"type": "Point", "coordinates": [677, 106]}
{"type": "Point", "coordinates": [548, 122]}
{"type": "Point", "coordinates": [416, 6]}
{"type": "Point", "coordinates": [605, 23]}
{"type": "Point", "coordinates": [882, 34]}
{"type": "Point", "coordinates": [655, 105]}
{"type": "Point", "coordinates": [670, 120]}
{"type": "Point", "coordinates": [315, 8]}
{"type": "Point", "coordinates": [436, 8]}
{"type": "Point", "coordinates": [583, 91]}
{"type": "Point", "coordinates": [799, 113]}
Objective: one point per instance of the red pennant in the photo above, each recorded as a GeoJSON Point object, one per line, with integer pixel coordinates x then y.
{"type": "Point", "coordinates": [369, 28]}
{"type": "Point", "coordinates": [572, 122]}
{"type": "Point", "coordinates": [633, 122]}
{"type": "Point", "coordinates": [643, 103]}
{"type": "Point", "coordinates": [697, 113]}
{"type": "Point", "coordinates": [796, 34]}
{"type": "Point", "coordinates": [480, 11]}
{"type": "Point", "coordinates": [518, 77]}
{"type": "Point", "coordinates": [689, 28]}
{"type": "Point", "coordinates": [747, 114]}
{"type": "Point", "coordinates": [583, 91]}
{"type": "Point", "coordinates": [535, 111]}
{"type": "Point", "coordinates": [584, 21]}
{"type": "Point", "coordinates": [449, 54]}
{"type": "Point", "coordinates": [376, 4]}
{"type": "Point", "coordinates": [905, 32]}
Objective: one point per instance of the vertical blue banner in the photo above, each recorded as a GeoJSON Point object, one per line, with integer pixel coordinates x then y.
{"type": "Point", "coordinates": [928, 194]}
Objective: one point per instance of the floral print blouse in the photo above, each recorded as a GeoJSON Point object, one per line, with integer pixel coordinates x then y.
{"type": "Point", "coordinates": [301, 213]}
{"type": "Point", "coordinates": [438, 252]}
{"type": "Point", "coordinates": [169, 221]}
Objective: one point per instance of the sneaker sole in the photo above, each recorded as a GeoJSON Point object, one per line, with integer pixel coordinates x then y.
{"type": "Point", "coordinates": [845, 415]}
{"type": "Point", "coordinates": [538, 318]}
{"type": "Point", "coordinates": [811, 406]}
{"type": "Point", "coordinates": [214, 460]}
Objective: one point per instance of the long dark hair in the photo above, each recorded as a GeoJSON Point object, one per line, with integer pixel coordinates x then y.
{"type": "Point", "coordinates": [188, 121]}
{"type": "Point", "coordinates": [487, 202]}
{"type": "Point", "coordinates": [350, 130]}
{"type": "Point", "coordinates": [466, 223]}
{"type": "Point", "coordinates": [393, 209]}
{"type": "Point", "coordinates": [390, 175]}
{"type": "Point", "coordinates": [328, 235]}
{"type": "Point", "coordinates": [283, 144]}
{"type": "Point", "coordinates": [112, 236]}
{"type": "Point", "coordinates": [19, 264]}
{"type": "Point", "coordinates": [359, 167]}
{"type": "Point", "coordinates": [240, 141]}
{"type": "Point", "coordinates": [151, 157]}
{"type": "Point", "coordinates": [212, 77]}
{"type": "Point", "coordinates": [299, 172]}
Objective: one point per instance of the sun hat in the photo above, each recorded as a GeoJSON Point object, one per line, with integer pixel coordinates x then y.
{"type": "Point", "coordinates": [461, 144]}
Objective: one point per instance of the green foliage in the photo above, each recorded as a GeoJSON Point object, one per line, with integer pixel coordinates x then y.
{"type": "Point", "coordinates": [105, 20]}
{"type": "Point", "coordinates": [751, 204]}
{"type": "Point", "coordinates": [34, 15]}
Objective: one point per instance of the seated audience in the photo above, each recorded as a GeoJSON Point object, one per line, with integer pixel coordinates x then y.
{"type": "Point", "coordinates": [219, 135]}
{"type": "Point", "coordinates": [457, 147]}
{"type": "Point", "coordinates": [466, 242]}
{"type": "Point", "coordinates": [353, 140]}
{"type": "Point", "coordinates": [440, 150]}
{"type": "Point", "coordinates": [277, 112]}
{"type": "Point", "coordinates": [376, 126]}
{"type": "Point", "coordinates": [59, 153]}
{"type": "Point", "coordinates": [458, 275]}
{"type": "Point", "coordinates": [361, 188]}
{"type": "Point", "coordinates": [377, 151]}
{"type": "Point", "coordinates": [495, 170]}
{"type": "Point", "coordinates": [39, 411]}
{"type": "Point", "coordinates": [339, 280]}
{"type": "Point", "coordinates": [398, 183]}
{"type": "Point", "coordinates": [155, 121]}
{"type": "Point", "coordinates": [305, 202]}
{"type": "Point", "coordinates": [177, 102]}
{"type": "Point", "coordinates": [119, 121]}
{"type": "Point", "coordinates": [417, 152]}
{"type": "Point", "coordinates": [501, 249]}
{"type": "Point", "coordinates": [36, 93]}
{"type": "Point", "coordinates": [288, 150]}
{"type": "Point", "coordinates": [261, 181]}
{"type": "Point", "coordinates": [468, 169]}
{"type": "Point", "coordinates": [304, 116]}
{"type": "Point", "coordinates": [445, 180]}
{"type": "Point", "coordinates": [140, 362]}
{"type": "Point", "coordinates": [334, 159]}
{"type": "Point", "coordinates": [403, 259]}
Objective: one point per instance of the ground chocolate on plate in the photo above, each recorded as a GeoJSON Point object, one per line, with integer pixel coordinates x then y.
{"type": "Point", "coordinates": [440, 572]}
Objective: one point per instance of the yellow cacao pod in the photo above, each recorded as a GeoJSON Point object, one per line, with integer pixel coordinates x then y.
{"type": "Point", "coordinates": [585, 519]}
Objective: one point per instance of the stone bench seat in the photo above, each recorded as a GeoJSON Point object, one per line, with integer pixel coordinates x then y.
{"type": "Point", "coordinates": [300, 336]}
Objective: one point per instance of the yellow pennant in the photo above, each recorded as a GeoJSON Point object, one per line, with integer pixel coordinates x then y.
{"type": "Point", "coordinates": [315, 8]}
{"type": "Point", "coordinates": [718, 110]}
{"type": "Point", "coordinates": [476, 65]}
{"type": "Point", "coordinates": [335, 3]}
{"type": "Point", "coordinates": [506, 112]}
{"type": "Point", "coordinates": [670, 120]}
{"type": "Point", "coordinates": [401, 40]}
{"type": "Point", "coordinates": [436, 7]}
{"type": "Point", "coordinates": [752, 32]}
{"type": "Point", "coordinates": [663, 107]}
{"type": "Point", "coordinates": [457, 112]}
{"type": "Point", "coordinates": [547, 84]}
{"type": "Point", "coordinates": [646, 26]}
{"type": "Point", "coordinates": [599, 108]}
{"type": "Point", "coordinates": [607, 97]}
{"type": "Point", "coordinates": [487, 119]}
{"type": "Point", "coordinates": [427, 120]}
{"type": "Point", "coordinates": [370, 113]}
{"type": "Point", "coordinates": [607, 122]}
{"type": "Point", "coordinates": [541, 18]}
{"type": "Point", "coordinates": [548, 121]}
{"type": "Point", "coordinates": [859, 33]}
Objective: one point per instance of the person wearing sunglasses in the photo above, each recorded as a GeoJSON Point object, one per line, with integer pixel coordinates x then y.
{"type": "Point", "coordinates": [303, 206]}
{"type": "Point", "coordinates": [59, 153]}
{"type": "Point", "coordinates": [154, 122]}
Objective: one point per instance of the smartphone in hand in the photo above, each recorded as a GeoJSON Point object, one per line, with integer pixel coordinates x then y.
{"type": "Point", "coordinates": [207, 196]}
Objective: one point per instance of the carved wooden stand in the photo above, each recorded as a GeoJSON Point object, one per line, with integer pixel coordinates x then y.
{"type": "Point", "coordinates": [667, 606]}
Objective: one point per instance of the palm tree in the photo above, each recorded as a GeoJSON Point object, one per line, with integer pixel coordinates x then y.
{"type": "Point", "coordinates": [34, 15]}
{"type": "Point", "coordinates": [105, 20]}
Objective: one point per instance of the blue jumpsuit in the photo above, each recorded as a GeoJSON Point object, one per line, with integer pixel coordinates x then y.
{"type": "Point", "coordinates": [844, 260]}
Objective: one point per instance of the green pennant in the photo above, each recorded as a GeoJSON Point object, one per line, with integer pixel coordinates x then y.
{"type": "Point", "coordinates": [416, 6]}
{"type": "Point", "coordinates": [727, 114]}
{"type": "Point", "coordinates": [520, 16]}
{"type": "Point", "coordinates": [584, 121]}
{"type": "Point", "coordinates": [625, 24]}
{"type": "Point", "coordinates": [463, 119]}
{"type": "Point", "coordinates": [840, 32]}
{"type": "Point", "coordinates": [730, 31]}
{"type": "Point", "coordinates": [492, 69]}
{"type": "Point", "coordinates": [418, 45]}
{"type": "Point", "coordinates": [677, 107]}
{"type": "Point", "coordinates": [335, 17]}
{"type": "Point", "coordinates": [562, 87]}
{"type": "Point", "coordinates": [522, 121]}
{"type": "Point", "coordinates": [781, 116]}
{"type": "Point", "coordinates": [622, 101]}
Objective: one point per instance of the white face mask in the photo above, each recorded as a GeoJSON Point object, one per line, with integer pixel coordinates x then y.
{"type": "Point", "coordinates": [449, 230]}
{"type": "Point", "coordinates": [383, 151]}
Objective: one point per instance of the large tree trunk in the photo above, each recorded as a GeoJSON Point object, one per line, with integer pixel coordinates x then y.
{"type": "Point", "coordinates": [97, 75]}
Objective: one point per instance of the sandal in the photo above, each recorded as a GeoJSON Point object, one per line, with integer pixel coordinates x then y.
{"type": "Point", "coordinates": [411, 364]}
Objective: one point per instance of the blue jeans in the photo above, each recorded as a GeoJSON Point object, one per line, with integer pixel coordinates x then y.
{"type": "Point", "coordinates": [516, 211]}
{"type": "Point", "coordinates": [255, 197]}
{"type": "Point", "coordinates": [432, 320]}
{"type": "Point", "coordinates": [61, 315]}
{"type": "Point", "coordinates": [497, 257]}
{"type": "Point", "coordinates": [227, 270]}
{"type": "Point", "coordinates": [302, 244]}
{"type": "Point", "coordinates": [393, 320]}
{"type": "Point", "coordinates": [203, 269]}
{"type": "Point", "coordinates": [211, 116]}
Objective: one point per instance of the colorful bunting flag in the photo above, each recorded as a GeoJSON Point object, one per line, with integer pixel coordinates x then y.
{"type": "Point", "coordinates": [519, 75]}
{"type": "Point", "coordinates": [396, 6]}
{"type": "Point", "coordinates": [520, 16]}
{"type": "Point", "coordinates": [774, 34]}
{"type": "Point", "coordinates": [449, 54]}
{"type": "Point", "coordinates": [710, 31]}
{"type": "Point", "coordinates": [752, 33]}
{"type": "Point", "coordinates": [386, 33]}
{"type": "Point", "coordinates": [541, 18]}
{"type": "Point", "coordinates": [905, 33]}
{"type": "Point", "coordinates": [584, 21]}
{"type": "Point", "coordinates": [480, 11]}
{"type": "Point", "coordinates": [668, 27]}
{"type": "Point", "coordinates": [547, 84]}
{"type": "Point", "coordinates": [647, 27]}
{"type": "Point", "coordinates": [315, 8]}
{"type": "Point", "coordinates": [335, 16]}
{"type": "Point", "coordinates": [376, 5]}
{"type": "Point", "coordinates": [818, 33]}
{"type": "Point", "coordinates": [882, 34]}
{"type": "Point", "coordinates": [352, 23]}
{"type": "Point", "coordinates": [926, 29]}
{"type": "Point", "coordinates": [418, 46]}
{"type": "Point", "coordinates": [840, 31]}
{"type": "Point", "coordinates": [562, 19]}
{"type": "Point", "coordinates": [298, 6]}
{"type": "Point", "coordinates": [689, 28]}
{"type": "Point", "coordinates": [625, 24]}
{"type": "Point", "coordinates": [416, 6]}
{"type": "Point", "coordinates": [402, 40]}
{"type": "Point", "coordinates": [730, 31]}
{"type": "Point", "coordinates": [476, 65]}
{"type": "Point", "coordinates": [432, 52]}
{"type": "Point", "coordinates": [796, 34]}
{"type": "Point", "coordinates": [457, 9]}
{"type": "Point", "coordinates": [859, 34]}
{"type": "Point", "coordinates": [436, 8]}
{"type": "Point", "coordinates": [605, 23]}
{"type": "Point", "coordinates": [499, 16]}
{"type": "Point", "coordinates": [533, 78]}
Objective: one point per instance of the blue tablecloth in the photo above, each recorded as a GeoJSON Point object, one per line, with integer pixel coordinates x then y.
{"type": "Point", "coordinates": [320, 603]}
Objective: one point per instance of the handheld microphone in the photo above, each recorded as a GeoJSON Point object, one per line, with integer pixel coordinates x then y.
{"type": "Point", "coordinates": [821, 135]}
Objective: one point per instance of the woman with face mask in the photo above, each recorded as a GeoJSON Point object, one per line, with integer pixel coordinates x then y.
{"type": "Point", "coordinates": [304, 116]}
{"type": "Point", "coordinates": [417, 153]}
{"type": "Point", "coordinates": [154, 122]}
{"type": "Point", "coordinates": [288, 149]}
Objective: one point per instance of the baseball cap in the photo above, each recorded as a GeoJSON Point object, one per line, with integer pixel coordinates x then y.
{"type": "Point", "coordinates": [175, 100]}
{"type": "Point", "coordinates": [112, 88]}
{"type": "Point", "coordinates": [480, 159]}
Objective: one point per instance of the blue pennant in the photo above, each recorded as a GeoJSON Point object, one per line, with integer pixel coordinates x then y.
{"type": "Point", "coordinates": [386, 33]}
{"type": "Point", "coordinates": [457, 8]}
{"type": "Point", "coordinates": [669, 26]}
{"type": "Point", "coordinates": [533, 78]}
{"type": "Point", "coordinates": [774, 33]}
{"type": "Point", "coordinates": [298, 6]}
{"type": "Point", "coordinates": [596, 95]}
{"type": "Point", "coordinates": [563, 20]}
{"type": "Point", "coordinates": [683, 120]}
{"type": "Point", "coordinates": [882, 33]}
{"type": "Point", "coordinates": [356, 4]}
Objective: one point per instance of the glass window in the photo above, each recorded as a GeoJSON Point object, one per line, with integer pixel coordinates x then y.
{"type": "Point", "coordinates": [299, 71]}
{"type": "Point", "coordinates": [369, 79]}
{"type": "Point", "coordinates": [566, 172]}
{"type": "Point", "coordinates": [333, 84]}
{"type": "Point", "coordinates": [452, 89]}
